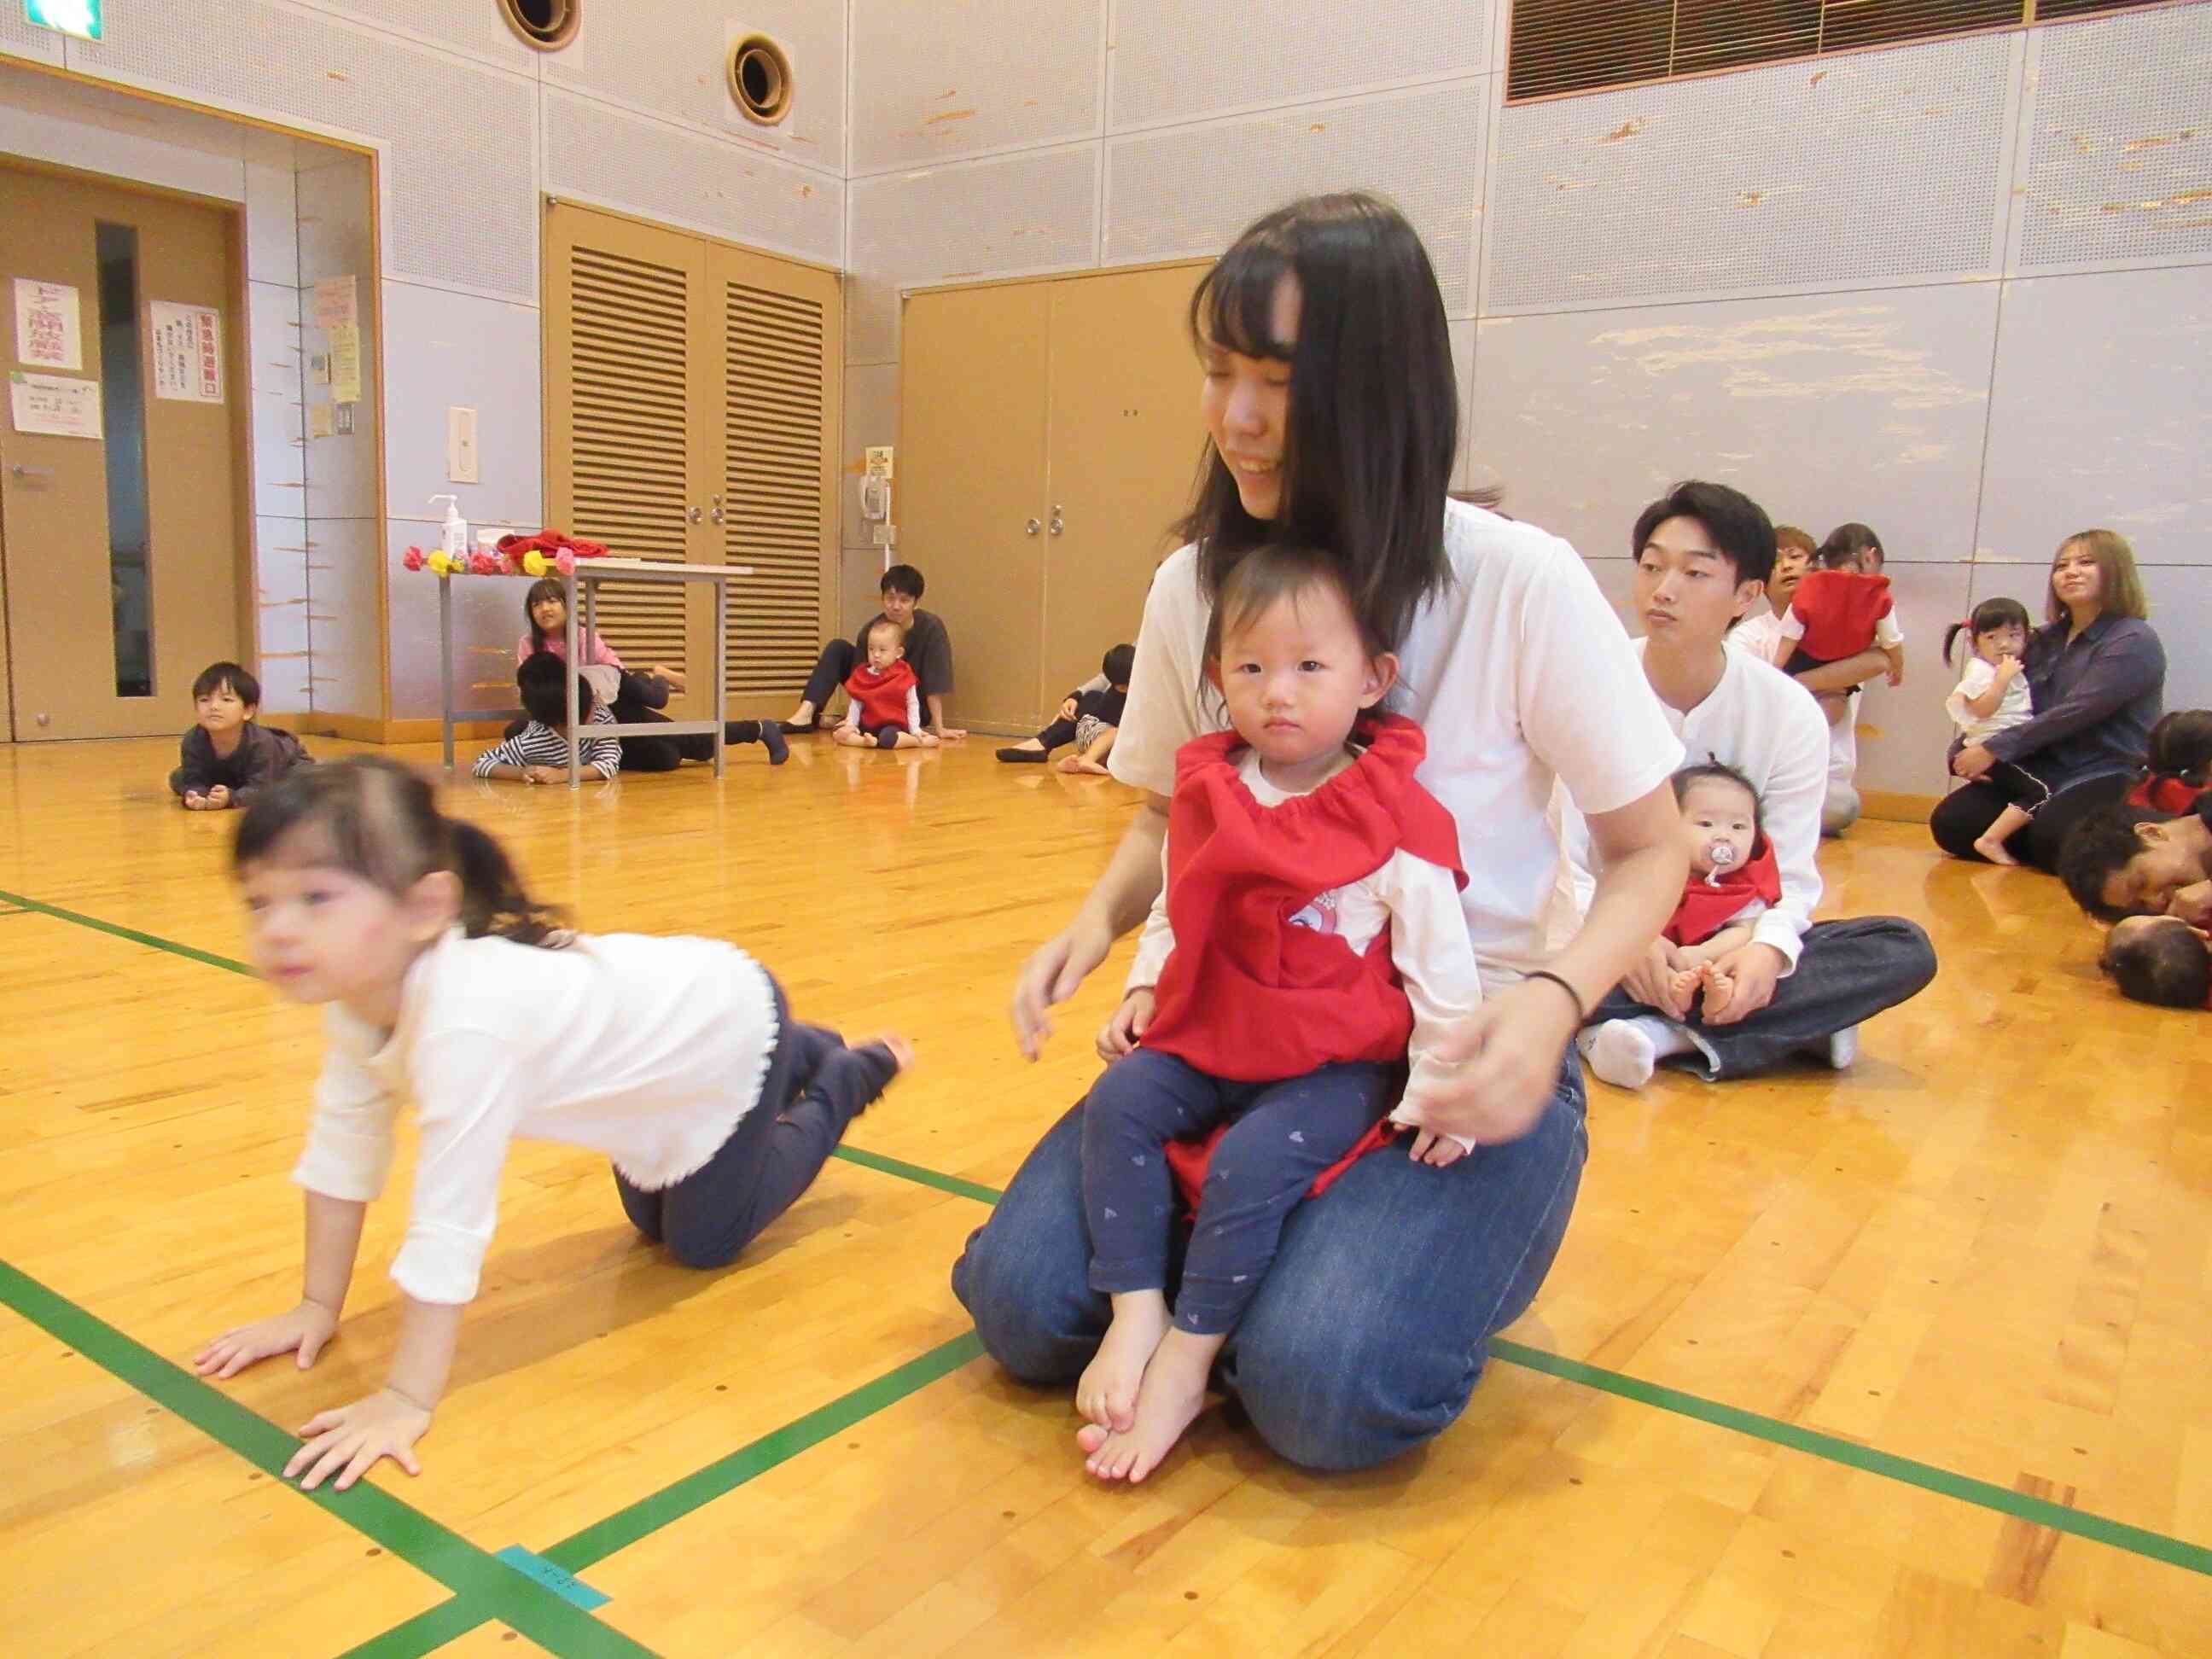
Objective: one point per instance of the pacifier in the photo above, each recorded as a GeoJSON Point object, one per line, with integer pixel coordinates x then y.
{"type": "Point", "coordinates": [1721, 854]}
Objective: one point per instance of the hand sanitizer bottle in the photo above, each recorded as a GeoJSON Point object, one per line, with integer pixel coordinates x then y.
{"type": "Point", "coordinates": [456, 541]}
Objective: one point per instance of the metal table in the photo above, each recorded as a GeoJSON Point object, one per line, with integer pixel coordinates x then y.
{"type": "Point", "coordinates": [582, 614]}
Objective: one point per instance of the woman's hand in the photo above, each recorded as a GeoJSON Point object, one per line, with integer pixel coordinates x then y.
{"type": "Point", "coordinates": [1651, 982]}
{"type": "Point", "coordinates": [1052, 973]}
{"type": "Point", "coordinates": [306, 1328]}
{"type": "Point", "coordinates": [349, 1440]}
{"type": "Point", "coordinates": [1121, 1033]}
{"type": "Point", "coordinates": [1496, 1069]}
{"type": "Point", "coordinates": [1972, 761]}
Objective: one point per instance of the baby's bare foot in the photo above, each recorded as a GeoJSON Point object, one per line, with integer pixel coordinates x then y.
{"type": "Point", "coordinates": [1107, 1393]}
{"type": "Point", "coordinates": [1171, 1397]}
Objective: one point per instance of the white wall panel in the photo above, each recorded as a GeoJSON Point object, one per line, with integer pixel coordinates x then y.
{"type": "Point", "coordinates": [460, 26]}
{"type": "Point", "coordinates": [460, 203]}
{"type": "Point", "coordinates": [1864, 168]}
{"type": "Point", "coordinates": [272, 224]}
{"type": "Point", "coordinates": [934, 84]}
{"type": "Point", "coordinates": [280, 563]}
{"type": "Point", "coordinates": [478, 354]}
{"type": "Point", "coordinates": [1001, 217]}
{"type": "Point", "coordinates": [666, 57]}
{"type": "Point", "coordinates": [1189, 190]}
{"type": "Point", "coordinates": [1178, 60]}
{"type": "Point", "coordinates": [273, 344]}
{"type": "Point", "coordinates": [2099, 415]}
{"type": "Point", "coordinates": [871, 416]}
{"type": "Point", "coordinates": [343, 617]}
{"type": "Point", "coordinates": [40, 135]}
{"type": "Point", "coordinates": [1463, 356]}
{"type": "Point", "coordinates": [1867, 406]}
{"type": "Point", "coordinates": [598, 154]}
{"type": "Point", "coordinates": [2119, 149]}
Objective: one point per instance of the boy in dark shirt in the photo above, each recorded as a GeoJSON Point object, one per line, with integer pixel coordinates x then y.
{"type": "Point", "coordinates": [227, 754]}
{"type": "Point", "coordinates": [1089, 719]}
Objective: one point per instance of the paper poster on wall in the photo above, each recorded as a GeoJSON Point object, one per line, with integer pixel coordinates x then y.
{"type": "Point", "coordinates": [321, 423]}
{"type": "Point", "coordinates": [337, 305]}
{"type": "Point", "coordinates": [54, 405]}
{"type": "Point", "coordinates": [345, 364]}
{"type": "Point", "coordinates": [46, 334]}
{"type": "Point", "coordinates": [187, 353]}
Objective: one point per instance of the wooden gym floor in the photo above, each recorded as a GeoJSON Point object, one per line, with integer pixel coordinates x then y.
{"type": "Point", "coordinates": [1914, 1361]}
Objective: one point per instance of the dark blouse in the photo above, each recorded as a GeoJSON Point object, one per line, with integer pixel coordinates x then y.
{"type": "Point", "coordinates": [2095, 701]}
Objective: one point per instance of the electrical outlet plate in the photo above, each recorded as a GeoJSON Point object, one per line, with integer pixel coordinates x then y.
{"type": "Point", "coordinates": [886, 535]}
{"type": "Point", "coordinates": [461, 446]}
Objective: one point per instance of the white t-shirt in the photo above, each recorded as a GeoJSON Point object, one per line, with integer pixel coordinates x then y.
{"type": "Point", "coordinates": [1417, 901]}
{"type": "Point", "coordinates": [2015, 707]}
{"type": "Point", "coordinates": [1519, 672]}
{"type": "Point", "coordinates": [1766, 725]}
{"type": "Point", "coordinates": [1760, 634]}
{"type": "Point", "coordinates": [647, 1049]}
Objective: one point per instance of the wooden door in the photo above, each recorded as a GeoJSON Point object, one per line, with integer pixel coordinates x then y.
{"type": "Point", "coordinates": [1124, 448]}
{"type": "Point", "coordinates": [779, 352]}
{"type": "Point", "coordinates": [691, 416]}
{"type": "Point", "coordinates": [971, 475]}
{"type": "Point", "coordinates": [124, 550]}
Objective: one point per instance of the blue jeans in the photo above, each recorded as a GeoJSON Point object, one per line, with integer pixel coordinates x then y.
{"type": "Point", "coordinates": [1368, 1335]}
{"type": "Point", "coordinates": [1281, 1136]}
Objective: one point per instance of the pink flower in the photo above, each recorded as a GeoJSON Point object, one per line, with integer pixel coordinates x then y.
{"type": "Point", "coordinates": [483, 564]}
{"type": "Point", "coordinates": [566, 561]}
{"type": "Point", "coordinates": [412, 558]}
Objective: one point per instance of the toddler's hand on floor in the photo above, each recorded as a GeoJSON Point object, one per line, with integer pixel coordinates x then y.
{"type": "Point", "coordinates": [543, 774]}
{"type": "Point", "coordinates": [196, 803]}
{"type": "Point", "coordinates": [306, 1328]}
{"type": "Point", "coordinates": [349, 1440]}
{"type": "Point", "coordinates": [218, 798]}
{"type": "Point", "coordinates": [1120, 1034]}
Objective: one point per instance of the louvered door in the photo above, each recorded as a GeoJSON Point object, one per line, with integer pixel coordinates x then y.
{"type": "Point", "coordinates": [691, 413]}
{"type": "Point", "coordinates": [777, 491]}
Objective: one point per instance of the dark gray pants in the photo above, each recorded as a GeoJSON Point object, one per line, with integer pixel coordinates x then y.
{"type": "Point", "coordinates": [1848, 972]}
{"type": "Point", "coordinates": [815, 1086]}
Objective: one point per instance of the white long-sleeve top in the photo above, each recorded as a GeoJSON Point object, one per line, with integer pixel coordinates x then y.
{"type": "Point", "coordinates": [1766, 725]}
{"type": "Point", "coordinates": [647, 1049]}
{"type": "Point", "coordinates": [1417, 901]}
{"type": "Point", "coordinates": [2015, 707]}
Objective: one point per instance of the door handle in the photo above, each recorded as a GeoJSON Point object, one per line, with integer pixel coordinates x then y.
{"type": "Point", "coordinates": [1056, 526]}
{"type": "Point", "coordinates": [716, 515]}
{"type": "Point", "coordinates": [693, 516]}
{"type": "Point", "coordinates": [21, 472]}
{"type": "Point", "coordinates": [1032, 527]}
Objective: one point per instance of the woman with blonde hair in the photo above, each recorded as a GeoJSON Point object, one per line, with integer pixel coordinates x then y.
{"type": "Point", "coordinates": [2096, 672]}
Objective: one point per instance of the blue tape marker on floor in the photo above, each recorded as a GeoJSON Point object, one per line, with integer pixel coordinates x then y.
{"type": "Point", "coordinates": [560, 1583]}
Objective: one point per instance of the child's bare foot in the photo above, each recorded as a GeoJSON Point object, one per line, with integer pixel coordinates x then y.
{"type": "Point", "coordinates": [1077, 763]}
{"type": "Point", "coordinates": [1172, 1395]}
{"type": "Point", "coordinates": [1107, 1393]}
{"type": "Point", "coordinates": [1994, 851]}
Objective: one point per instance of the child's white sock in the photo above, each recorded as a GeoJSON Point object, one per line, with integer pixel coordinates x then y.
{"type": "Point", "coordinates": [1624, 1051]}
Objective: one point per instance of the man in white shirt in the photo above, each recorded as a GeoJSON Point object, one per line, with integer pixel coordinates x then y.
{"type": "Point", "coordinates": [1705, 551]}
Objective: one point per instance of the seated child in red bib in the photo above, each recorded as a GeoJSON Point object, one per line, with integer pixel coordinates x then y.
{"type": "Point", "coordinates": [1732, 880]}
{"type": "Point", "coordinates": [884, 711]}
{"type": "Point", "coordinates": [1841, 609]}
{"type": "Point", "coordinates": [1309, 939]}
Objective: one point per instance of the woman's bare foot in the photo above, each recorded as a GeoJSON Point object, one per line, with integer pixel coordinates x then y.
{"type": "Point", "coordinates": [1107, 1393]}
{"type": "Point", "coordinates": [1171, 1397]}
{"type": "Point", "coordinates": [802, 715]}
{"type": "Point", "coordinates": [1994, 851]}
{"type": "Point", "coordinates": [1077, 764]}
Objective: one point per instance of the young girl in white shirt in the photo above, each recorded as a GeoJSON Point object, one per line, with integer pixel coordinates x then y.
{"type": "Point", "coordinates": [444, 980]}
{"type": "Point", "coordinates": [1310, 933]}
{"type": "Point", "coordinates": [1992, 696]}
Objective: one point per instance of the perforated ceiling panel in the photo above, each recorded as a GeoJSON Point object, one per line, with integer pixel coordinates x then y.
{"type": "Point", "coordinates": [19, 40]}
{"type": "Point", "coordinates": [459, 199]}
{"type": "Point", "coordinates": [2119, 163]}
{"type": "Point", "coordinates": [1033, 212]}
{"type": "Point", "coordinates": [666, 57]}
{"type": "Point", "coordinates": [1190, 190]}
{"type": "Point", "coordinates": [463, 25]}
{"type": "Point", "coordinates": [1177, 60]}
{"type": "Point", "coordinates": [599, 154]}
{"type": "Point", "coordinates": [985, 74]}
{"type": "Point", "coordinates": [1813, 175]}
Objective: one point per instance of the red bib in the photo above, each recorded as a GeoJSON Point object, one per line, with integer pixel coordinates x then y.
{"type": "Point", "coordinates": [2165, 793]}
{"type": "Point", "coordinates": [882, 696]}
{"type": "Point", "coordinates": [1708, 907]}
{"type": "Point", "coordinates": [1839, 609]}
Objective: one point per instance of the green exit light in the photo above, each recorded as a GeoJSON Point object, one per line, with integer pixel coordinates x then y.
{"type": "Point", "coordinates": [78, 17]}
